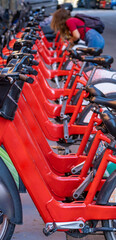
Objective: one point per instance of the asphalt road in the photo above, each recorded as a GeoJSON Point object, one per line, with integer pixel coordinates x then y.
{"type": "Point", "coordinates": [33, 225]}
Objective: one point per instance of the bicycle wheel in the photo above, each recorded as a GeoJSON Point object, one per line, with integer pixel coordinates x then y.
{"type": "Point", "coordinates": [110, 235]}
{"type": "Point", "coordinates": [105, 85]}
{"type": "Point", "coordinates": [68, 237]}
{"type": "Point", "coordinates": [108, 87]}
{"type": "Point", "coordinates": [84, 118]}
{"type": "Point", "coordinates": [6, 227]}
{"type": "Point", "coordinates": [110, 223]}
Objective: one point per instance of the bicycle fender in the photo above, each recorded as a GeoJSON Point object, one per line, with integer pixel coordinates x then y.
{"type": "Point", "coordinates": [10, 202]}
{"type": "Point", "coordinates": [106, 189]}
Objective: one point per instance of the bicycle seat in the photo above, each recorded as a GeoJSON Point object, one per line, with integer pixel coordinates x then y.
{"type": "Point", "coordinates": [106, 102]}
{"type": "Point", "coordinates": [95, 51]}
{"type": "Point", "coordinates": [103, 60]}
{"type": "Point", "coordinates": [110, 122]}
{"type": "Point", "coordinates": [93, 91]}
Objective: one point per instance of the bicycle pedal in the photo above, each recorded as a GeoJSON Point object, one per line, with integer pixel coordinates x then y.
{"type": "Point", "coordinates": [49, 229]}
{"type": "Point", "coordinates": [77, 168]}
{"type": "Point", "coordinates": [83, 185]}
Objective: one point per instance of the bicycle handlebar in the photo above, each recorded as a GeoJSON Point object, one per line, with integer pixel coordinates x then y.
{"type": "Point", "coordinates": [25, 78]}
{"type": "Point", "coordinates": [75, 54]}
{"type": "Point", "coordinates": [28, 70]}
{"type": "Point", "coordinates": [28, 50]}
{"type": "Point", "coordinates": [10, 78]}
{"type": "Point", "coordinates": [34, 62]}
{"type": "Point", "coordinates": [4, 79]}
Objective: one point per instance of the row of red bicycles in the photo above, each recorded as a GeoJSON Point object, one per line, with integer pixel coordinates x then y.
{"type": "Point", "coordinates": [50, 92]}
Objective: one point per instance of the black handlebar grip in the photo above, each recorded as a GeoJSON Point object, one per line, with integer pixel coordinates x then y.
{"type": "Point", "coordinates": [25, 78]}
{"type": "Point", "coordinates": [30, 80]}
{"type": "Point", "coordinates": [33, 72]}
{"type": "Point", "coordinates": [33, 51]}
{"type": "Point", "coordinates": [29, 70]}
{"type": "Point", "coordinates": [34, 62]}
{"type": "Point", "coordinates": [37, 29]}
{"type": "Point", "coordinates": [32, 38]}
{"type": "Point", "coordinates": [38, 37]}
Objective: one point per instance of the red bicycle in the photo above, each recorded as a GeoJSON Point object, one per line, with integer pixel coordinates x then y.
{"type": "Point", "coordinates": [76, 218]}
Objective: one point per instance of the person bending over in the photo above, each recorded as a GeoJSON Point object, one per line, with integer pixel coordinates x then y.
{"type": "Point", "coordinates": [71, 28]}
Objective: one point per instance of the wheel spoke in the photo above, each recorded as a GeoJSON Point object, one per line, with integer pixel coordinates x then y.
{"type": "Point", "coordinates": [3, 227]}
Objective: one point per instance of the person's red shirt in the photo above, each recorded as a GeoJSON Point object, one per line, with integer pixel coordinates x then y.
{"type": "Point", "coordinates": [74, 23]}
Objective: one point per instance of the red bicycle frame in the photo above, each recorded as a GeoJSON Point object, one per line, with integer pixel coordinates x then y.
{"type": "Point", "coordinates": [6, 51]}
{"type": "Point", "coordinates": [52, 131]}
{"type": "Point", "coordinates": [55, 44]}
{"type": "Point", "coordinates": [39, 191]}
{"type": "Point", "coordinates": [56, 161]}
{"type": "Point", "coordinates": [60, 186]}
{"type": "Point", "coordinates": [47, 188]}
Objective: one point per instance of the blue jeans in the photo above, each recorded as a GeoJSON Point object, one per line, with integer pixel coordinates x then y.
{"type": "Point", "coordinates": [94, 39]}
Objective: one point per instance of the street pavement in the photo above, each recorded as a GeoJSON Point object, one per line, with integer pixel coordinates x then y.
{"type": "Point", "coordinates": [32, 223]}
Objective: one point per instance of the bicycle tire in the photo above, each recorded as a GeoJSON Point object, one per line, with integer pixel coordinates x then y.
{"type": "Point", "coordinates": [6, 228]}
{"type": "Point", "coordinates": [110, 199]}
{"type": "Point", "coordinates": [83, 117]}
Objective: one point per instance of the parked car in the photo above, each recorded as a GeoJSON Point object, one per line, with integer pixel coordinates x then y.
{"type": "Point", "coordinates": [81, 3]}
{"type": "Point", "coordinates": [88, 4]}
{"type": "Point", "coordinates": [113, 4]}
{"type": "Point", "coordinates": [67, 6]}
{"type": "Point", "coordinates": [50, 5]}
{"type": "Point", "coordinates": [106, 4]}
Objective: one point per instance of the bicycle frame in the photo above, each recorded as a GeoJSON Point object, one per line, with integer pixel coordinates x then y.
{"type": "Point", "coordinates": [56, 161]}
{"type": "Point", "coordinates": [53, 110]}
{"type": "Point", "coordinates": [34, 150]}
{"type": "Point", "coordinates": [6, 51]}
{"type": "Point", "coordinates": [42, 197]}
{"type": "Point", "coordinates": [43, 180]}
{"type": "Point", "coordinates": [50, 73]}
{"type": "Point", "coordinates": [52, 131]}
{"type": "Point", "coordinates": [47, 43]}
{"type": "Point", "coordinates": [52, 53]}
